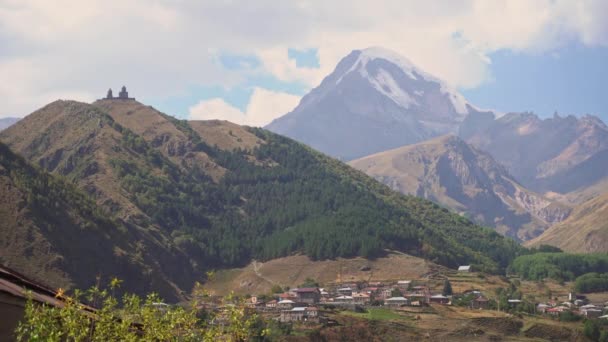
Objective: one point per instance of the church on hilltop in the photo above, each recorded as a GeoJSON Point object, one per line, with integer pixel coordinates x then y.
{"type": "Point", "coordinates": [123, 95]}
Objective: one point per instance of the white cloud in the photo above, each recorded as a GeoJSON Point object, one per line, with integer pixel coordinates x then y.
{"type": "Point", "coordinates": [264, 106]}
{"type": "Point", "coordinates": [162, 48]}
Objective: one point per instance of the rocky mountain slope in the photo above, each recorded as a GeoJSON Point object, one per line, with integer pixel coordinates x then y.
{"type": "Point", "coordinates": [450, 172]}
{"type": "Point", "coordinates": [564, 157]}
{"type": "Point", "coordinates": [213, 194]}
{"type": "Point", "coordinates": [373, 101]}
{"type": "Point", "coordinates": [585, 231]}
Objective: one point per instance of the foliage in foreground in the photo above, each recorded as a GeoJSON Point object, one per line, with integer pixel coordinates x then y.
{"type": "Point", "coordinates": [135, 319]}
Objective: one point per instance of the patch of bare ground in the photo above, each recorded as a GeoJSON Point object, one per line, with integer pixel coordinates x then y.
{"type": "Point", "coordinates": [225, 135]}
{"type": "Point", "coordinates": [550, 332]}
{"type": "Point", "coordinates": [258, 277]}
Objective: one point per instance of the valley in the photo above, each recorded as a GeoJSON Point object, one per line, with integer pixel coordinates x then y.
{"type": "Point", "coordinates": [179, 207]}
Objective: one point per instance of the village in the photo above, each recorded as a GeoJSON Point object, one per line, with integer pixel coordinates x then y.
{"type": "Point", "coordinates": [307, 304]}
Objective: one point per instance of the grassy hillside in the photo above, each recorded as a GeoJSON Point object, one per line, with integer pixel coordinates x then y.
{"type": "Point", "coordinates": [222, 194]}
{"type": "Point", "coordinates": [585, 231]}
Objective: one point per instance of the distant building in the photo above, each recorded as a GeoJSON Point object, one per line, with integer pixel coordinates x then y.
{"type": "Point", "coordinates": [396, 301]}
{"type": "Point", "coordinates": [440, 299]}
{"type": "Point", "coordinates": [361, 298]}
{"type": "Point", "coordinates": [285, 304]}
{"type": "Point", "coordinates": [300, 314]}
{"type": "Point", "coordinates": [464, 268]}
{"type": "Point", "coordinates": [345, 291]}
{"type": "Point", "coordinates": [514, 302]}
{"type": "Point", "coordinates": [542, 308]}
{"type": "Point", "coordinates": [480, 302]}
{"type": "Point", "coordinates": [344, 300]}
{"type": "Point", "coordinates": [271, 304]}
{"type": "Point", "coordinates": [592, 313]}
{"type": "Point", "coordinates": [308, 295]}
{"type": "Point", "coordinates": [122, 95]}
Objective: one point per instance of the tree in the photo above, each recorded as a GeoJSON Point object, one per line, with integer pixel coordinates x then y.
{"type": "Point", "coordinates": [591, 330]}
{"type": "Point", "coordinates": [447, 288]}
{"type": "Point", "coordinates": [309, 282]}
{"type": "Point", "coordinates": [396, 293]}
{"type": "Point", "coordinates": [276, 288]}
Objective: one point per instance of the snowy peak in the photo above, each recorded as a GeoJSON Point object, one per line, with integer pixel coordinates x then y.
{"type": "Point", "coordinates": [400, 80]}
{"type": "Point", "coordinates": [374, 100]}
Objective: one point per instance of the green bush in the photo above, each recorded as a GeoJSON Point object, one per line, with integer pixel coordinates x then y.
{"type": "Point", "coordinates": [591, 282]}
{"type": "Point", "coordinates": [133, 319]}
{"type": "Point", "coordinates": [559, 266]}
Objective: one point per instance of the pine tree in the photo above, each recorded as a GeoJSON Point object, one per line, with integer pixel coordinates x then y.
{"type": "Point", "coordinates": [447, 288]}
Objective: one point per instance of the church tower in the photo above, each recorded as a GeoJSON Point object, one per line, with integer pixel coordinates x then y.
{"type": "Point", "coordinates": [123, 93]}
{"type": "Point", "coordinates": [109, 96]}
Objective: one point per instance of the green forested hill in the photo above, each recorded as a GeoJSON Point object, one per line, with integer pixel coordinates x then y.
{"type": "Point", "coordinates": [53, 232]}
{"type": "Point", "coordinates": [222, 194]}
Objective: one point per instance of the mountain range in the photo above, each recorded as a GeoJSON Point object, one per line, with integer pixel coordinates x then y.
{"type": "Point", "coordinates": [180, 198]}
{"type": "Point", "coordinates": [564, 157]}
{"type": "Point", "coordinates": [449, 171]}
{"type": "Point", "coordinates": [515, 172]}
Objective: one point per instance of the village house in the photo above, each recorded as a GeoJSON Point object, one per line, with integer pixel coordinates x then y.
{"type": "Point", "coordinates": [344, 300]}
{"type": "Point", "coordinates": [557, 310]}
{"type": "Point", "coordinates": [464, 269]}
{"type": "Point", "coordinates": [404, 285]}
{"type": "Point", "coordinates": [440, 299]}
{"type": "Point", "coordinates": [285, 304]}
{"type": "Point", "coordinates": [325, 296]}
{"type": "Point", "coordinates": [514, 302]}
{"type": "Point", "coordinates": [312, 312]}
{"type": "Point", "coordinates": [385, 293]}
{"type": "Point", "coordinates": [480, 303]}
{"type": "Point", "coordinates": [361, 298]}
{"type": "Point", "coordinates": [271, 304]}
{"type": "Point", "coordinates": [300, 314]}
{"type": "Point", "coordinates": [396, 302]}
{"type": "Point", "coordinates": [542, 308]}
{"type": "Point", "coordinates": [288, 295]}
{"type": "Point", "coordinates": [308, 295]}
{"type": "Point", "coordinates": [253, 302]}
{"type": "Point", "coordinates": [371, 291]}
{"type": "Point", "coordinates": [591, 313]}
{"type": "Point", "coordinates": [416, 299]}
{"type": "Point", "coordinates": [345, 291]}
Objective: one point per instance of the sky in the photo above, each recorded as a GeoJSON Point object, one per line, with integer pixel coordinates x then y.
{"type": "Point", "coordinates": [251, 61]}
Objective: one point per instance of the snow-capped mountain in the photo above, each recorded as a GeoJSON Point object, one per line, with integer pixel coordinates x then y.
{"type": "Point", "coordinates": [373, 101]}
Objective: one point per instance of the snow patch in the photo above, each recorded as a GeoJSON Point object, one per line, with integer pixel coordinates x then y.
{"type": "Point", "coordinates": [411, 70]}
{"type": "Point", "coordinates": [386, 84]}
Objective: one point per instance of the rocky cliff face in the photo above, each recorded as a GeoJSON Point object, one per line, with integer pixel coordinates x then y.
{"type": "Point", "coordinates": [564, 155]}
{"type": "Point", "coordinates": [373, 101]}
{"type": "Point", "coordinates": [456, 175]}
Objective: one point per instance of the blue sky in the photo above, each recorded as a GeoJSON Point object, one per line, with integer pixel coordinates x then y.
{"type": "Point", "coordinates": [239, 96]}
{"type": "Point", "coordinates": [569, 80]}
